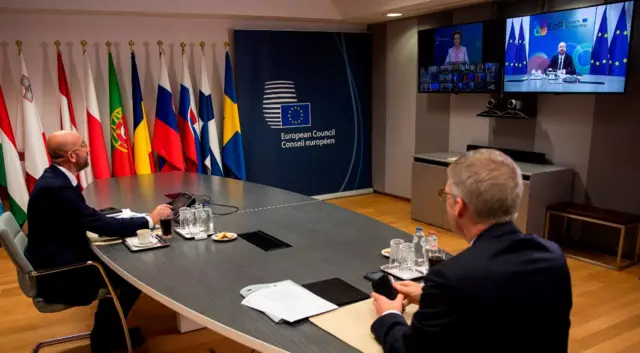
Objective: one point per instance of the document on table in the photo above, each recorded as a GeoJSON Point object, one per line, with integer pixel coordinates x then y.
{"type": "Point", "coordinates": [289, 301]}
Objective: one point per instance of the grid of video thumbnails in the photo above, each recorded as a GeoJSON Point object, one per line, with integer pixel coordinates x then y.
{"type": "Point", "coordinates": [459, 78]}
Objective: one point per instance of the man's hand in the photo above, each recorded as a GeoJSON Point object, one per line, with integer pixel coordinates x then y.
{"type": "Point", "coordinates": [162, 211]}
{"type": "Point", "coordinates": [410, 290]}
{"type": "Point", "coordinates": [382, 304]}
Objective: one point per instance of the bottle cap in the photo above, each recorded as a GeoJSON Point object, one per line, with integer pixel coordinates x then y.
{"type": "Point", "coordinates": [418, 228]}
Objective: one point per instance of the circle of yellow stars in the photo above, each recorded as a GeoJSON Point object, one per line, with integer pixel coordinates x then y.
{"type": "Point", "coordinates": [604, 61]}
{"type": "Point", "coordinates": [300, 118]}
{"type": "Point", "coordinates": [516, 64]}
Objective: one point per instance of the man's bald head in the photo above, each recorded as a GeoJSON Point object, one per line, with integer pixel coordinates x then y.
{"type": "Point", "coordinates": [60, 143]}
{"type": "Point", "coordinates": [68, 150]}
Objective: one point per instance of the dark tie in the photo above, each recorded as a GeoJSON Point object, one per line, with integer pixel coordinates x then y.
{"type": "Point", "coordinates": [560, 63]}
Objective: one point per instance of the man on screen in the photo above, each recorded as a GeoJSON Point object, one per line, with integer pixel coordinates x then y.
{"type": "Point", "coordinates": [562, 61]}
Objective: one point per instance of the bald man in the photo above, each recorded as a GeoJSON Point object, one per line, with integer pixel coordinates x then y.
{"type": "Point", "coordinates": [562, 61]}
{"type": "Point", "coordinates": [58, 219]}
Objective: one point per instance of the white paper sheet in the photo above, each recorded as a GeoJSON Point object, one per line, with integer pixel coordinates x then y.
{"type": "Point", "coordinates": [288, 301]}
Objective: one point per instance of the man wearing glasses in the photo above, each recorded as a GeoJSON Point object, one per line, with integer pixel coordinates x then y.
{"type": "Point", "coordinates": [59, 218]}
{"type": "Point", "coordinates": [507, 292]}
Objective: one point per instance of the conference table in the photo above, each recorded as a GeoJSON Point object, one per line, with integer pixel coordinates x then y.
{"type": "Point", "coordinates": [588, 84]}
{"type": "Point", "coordinates": [201, 279]}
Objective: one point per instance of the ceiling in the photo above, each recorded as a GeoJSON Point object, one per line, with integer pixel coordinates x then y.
{"type": "Point", "coordinates": [353, 11]}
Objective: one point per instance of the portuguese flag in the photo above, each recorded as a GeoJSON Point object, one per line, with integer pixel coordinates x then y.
{"type": "Point", "coordinates": [121, 156]}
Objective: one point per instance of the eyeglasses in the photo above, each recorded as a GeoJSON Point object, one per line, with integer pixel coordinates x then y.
{"type": "Point", "coordinates": [83, 145]}
{"type": "Point", "coordinates": [442, 193]}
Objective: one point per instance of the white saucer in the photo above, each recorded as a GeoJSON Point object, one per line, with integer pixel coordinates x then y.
{"type": "Point", "coordinates": [234, 236]}
{"type": "Point", "coordinates": [136, 243]}
{"type": "Point", "coordinates": [386, 252]}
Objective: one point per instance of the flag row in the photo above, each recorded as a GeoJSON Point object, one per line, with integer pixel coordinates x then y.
{"type": "Point", "coordinates": [186, 140]}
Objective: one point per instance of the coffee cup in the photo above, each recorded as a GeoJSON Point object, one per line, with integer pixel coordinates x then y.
{"type": "Point", "coordinates": [144, 236]}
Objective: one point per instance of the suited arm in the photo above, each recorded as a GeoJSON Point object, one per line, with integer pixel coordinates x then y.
{"type": "Point", "coordinates": [95, 222]}
{"type": "Point", "coordinates": [430, 326]}
{"type": "Point", "coordinates": [571, 68]}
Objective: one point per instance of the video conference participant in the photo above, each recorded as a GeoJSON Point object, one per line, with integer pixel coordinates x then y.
{"type": "Point", "coordinates": [507, 292]}
{"type": "Point", "coordinates": [457, 54]}
{"type": "Point", "coordinates": [562, 61]}
{"type": "Point", "coordinates": [59, 218]}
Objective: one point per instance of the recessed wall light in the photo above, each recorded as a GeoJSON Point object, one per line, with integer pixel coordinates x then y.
{"type": "Point", "coordinates": [394, 14]}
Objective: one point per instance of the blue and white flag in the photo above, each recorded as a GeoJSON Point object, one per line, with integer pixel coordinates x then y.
{"type": "Point", "coordinates": [208, 130]}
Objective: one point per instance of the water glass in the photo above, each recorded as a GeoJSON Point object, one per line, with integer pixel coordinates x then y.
{"type": "Point", "coordinates": [193, 224]}
{"type": "Point", "coordinates": [394, 253]}
{"type": "Point", "coordinates": [206, 224]}
{"type": "Point", "coordinates": [436, 257]}
{"type": "Point", "coordinates": [185, 213]}
{"type": "Point", "coordinates": [407, 255]}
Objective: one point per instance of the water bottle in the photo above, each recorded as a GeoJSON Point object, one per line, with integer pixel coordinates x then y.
{"type": "Point", "coordinates": [419, 243]}
{"type": "Point", "coordinates": [432, 241]}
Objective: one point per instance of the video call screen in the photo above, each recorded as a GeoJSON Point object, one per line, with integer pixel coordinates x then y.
{"type": "Point", "coordinates": [591, 43]}
{"type": "Point", "coordinates": [460, 58]}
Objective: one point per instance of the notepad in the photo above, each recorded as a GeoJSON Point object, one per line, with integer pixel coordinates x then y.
{"type": "Point", "coordinates": [289, 301]}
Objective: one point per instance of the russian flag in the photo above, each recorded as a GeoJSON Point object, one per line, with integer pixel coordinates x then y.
{"type": "Point", "coordinates": [166, 137]}
{"type": "Point", "coordinates": [188, 123]}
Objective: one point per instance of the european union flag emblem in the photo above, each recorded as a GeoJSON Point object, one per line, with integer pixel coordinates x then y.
{"type": "Point", "coordinates": [295, 115]}
{"type": "Point", "coordinates": [585, 20]}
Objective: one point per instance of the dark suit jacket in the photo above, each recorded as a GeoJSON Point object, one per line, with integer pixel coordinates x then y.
{"type": "Point", "coordinates": [58, 219]}
{"type": "Point", "coordinates": [508, 292]}
{"type": "Point", "coordinates": [567, 64]}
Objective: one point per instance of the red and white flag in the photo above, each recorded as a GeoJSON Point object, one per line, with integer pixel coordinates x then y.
{"type": "Point", "coordinates": [93, 129]}
{"type": "Point", "coordinates": [33, 140]}
{"type": "Point", "coordinates": [67, 116]}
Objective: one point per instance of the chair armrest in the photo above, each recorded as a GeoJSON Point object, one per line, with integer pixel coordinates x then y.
{"type": "Point", "coordinates": [64, 268]}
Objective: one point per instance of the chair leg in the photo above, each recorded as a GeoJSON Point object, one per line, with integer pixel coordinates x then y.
{"type": "Point", "coordinates": [60, 340]}
{"type": "Point", "coordinates": [112, 292]}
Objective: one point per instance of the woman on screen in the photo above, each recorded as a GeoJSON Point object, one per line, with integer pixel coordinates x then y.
{"type": "Point", "coordinates": [457, 54]}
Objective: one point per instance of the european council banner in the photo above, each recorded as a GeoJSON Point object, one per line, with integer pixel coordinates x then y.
{"type": "Point", "coordinates": [305, 109]}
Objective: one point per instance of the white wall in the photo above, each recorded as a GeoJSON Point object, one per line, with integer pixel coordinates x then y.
{"type": "Point", "coordinates": [39, 31]}
{"type": "Point", "coordinates": [402, 83]}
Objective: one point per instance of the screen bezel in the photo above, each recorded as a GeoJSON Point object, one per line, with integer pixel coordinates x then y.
{"type": "Point", "coordinates": [626, 78]}
{"type": "Point", "coordinates": [499, 72]}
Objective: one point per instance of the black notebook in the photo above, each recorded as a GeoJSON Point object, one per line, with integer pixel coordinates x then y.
{"type": "Point", "coordinates": [336, 291]}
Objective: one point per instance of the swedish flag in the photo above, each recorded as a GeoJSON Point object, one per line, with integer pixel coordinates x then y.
{"type": "Point", "coordinates": [232, 152]}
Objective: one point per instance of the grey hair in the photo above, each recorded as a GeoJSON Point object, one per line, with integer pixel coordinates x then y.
{"type": "Point", "coordinates": [489, 182]}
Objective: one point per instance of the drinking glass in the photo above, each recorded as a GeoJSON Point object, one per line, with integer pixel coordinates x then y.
{"type": "Point", "coordinates": [206, 224]}
{"type": "Point", "coordinates": [394, 253]}
{"type": "Point", "coordinates": [406, 256]}
{"type": "Point", "coordinates": [193, 225]}
{"type": "Point", "coordinates": [185, 213]}
{"type": "Point", "coordinates": [436, 257]}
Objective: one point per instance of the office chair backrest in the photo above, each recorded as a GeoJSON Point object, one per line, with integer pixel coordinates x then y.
{"type": "Point", "coordinates": [14, 242]}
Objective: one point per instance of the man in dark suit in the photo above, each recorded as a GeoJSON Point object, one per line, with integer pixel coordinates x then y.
{"type": "Point", "coordinates": [562, 61]}
{"type": "Point", "coordinates": [59, 218]}
{"type": "Point", "coordinates": [507, 292]}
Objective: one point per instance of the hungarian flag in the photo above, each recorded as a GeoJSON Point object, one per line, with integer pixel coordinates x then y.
{"type": "Point", "coordinates": [99, 168]}
{"type": "Point", "coordinates": [188, 123]}
{"type": "Point", "coordinates": [121, 157]}
{"type": "Point", "coordinates": [33, 141]}
{"type": "Point", "coordinates": [67, 116]}
{"type": "Point", "coordinates": [166, 137]}
{"type": "Point", "coordinates": [11, 175]}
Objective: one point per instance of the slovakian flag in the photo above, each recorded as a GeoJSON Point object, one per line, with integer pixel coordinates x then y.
{"type": "Point", "coordinates": [232, 151]}
{"type": "Point", "coordinates": [188, 123]}
{"type": "Point", "coordinates": [208, 131]}
{"type": "Point", "coordinates": [619, 49]}
{"type": "Point", "coordinates": [11, 175]}
{"type": "Point", "coordinates": [166, 136]}
{"type": "Point", "coordinates": [121, 156]}
{"type": "Point", "coordinates": [34, 142]}
{"type": "Point", "coordinates": [67, 115]}
{"type": "Point", "coordinates": [93, 133]}
{"type": "Point", "coordinates": [600, 51]}
{"type": "Point", "coordinates": [143, 157]}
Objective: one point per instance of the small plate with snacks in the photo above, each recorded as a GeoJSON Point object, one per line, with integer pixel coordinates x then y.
{"type": "Point", "coordinates": [224, 236]}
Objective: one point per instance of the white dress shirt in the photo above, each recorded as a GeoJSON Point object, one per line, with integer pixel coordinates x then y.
{"type": "Point", "coordinates": [74, 182]}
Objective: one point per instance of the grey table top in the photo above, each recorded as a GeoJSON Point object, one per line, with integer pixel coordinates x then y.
{"type": "Point", "coordinates": [611, 84]}
{"type": "Point", "coordinates": [143, 192]}
{"type": "Point", "coordinates": [202, 279]}
{"type": "Point", "coordinates": [525, 168]}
